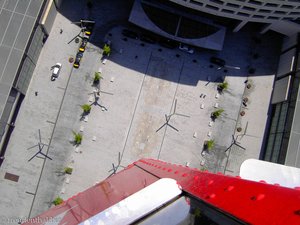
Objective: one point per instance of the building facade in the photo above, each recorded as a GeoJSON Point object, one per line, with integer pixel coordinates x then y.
{"type": "Point", "coordinates": [24, 28]}
{"type": "Point", "coordinates": [278, 15]}
{"type": "Point", "coordinates": [203, 23]}
{"type": "Point", "coordinates": [283, 137]}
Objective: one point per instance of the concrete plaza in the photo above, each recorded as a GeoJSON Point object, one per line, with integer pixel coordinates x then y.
{"type": "Point", "coordinates": [144, 84]}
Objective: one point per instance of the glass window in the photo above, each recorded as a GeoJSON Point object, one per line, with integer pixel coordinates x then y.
{"type": "Point", "coordinates": [217, 1]}
{"type": "Point", "coordinates": [188, 211]}
{"type": "Point", "coordinates": [277, 147]}
{"type": "Point", "coordinates": [280, 12]}
{"type": "Point", "coordinates": [242, 14]}
{"type": "Point", "coordinates": [273, 17]}
{"type": "Point", "coordinates": [264, 10]}
{"type": "Point", "coordinates": [211, 7]}
{"type": "Point", "coordinates": [233, 5]}
{"type": "Point", "coordinates": [249, 8]}
{"type": "Point", "coordinates": [255, 2]}
{"type": "Point", "coordinates": [269, 148]}
{"type": "Point", "coordinates": [196, 3]}
{"type": "Point", "coordinates": [258, 16]}
{"type": "Point", "coordinates": [227, 11]}
{"type": "Point", "coordinates": [271, 4]}
{"type": "Point", "coordinates": [287, 6]}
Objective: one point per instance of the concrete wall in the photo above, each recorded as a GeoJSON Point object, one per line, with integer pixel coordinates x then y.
{"type": "Point", "coordinates": [281, 90]}
{"type": "Point", "coordinates": [58, 3]}
{"type": "Point", "coordinates": [286, 62]}
{"type": "Point", "coordinates": [289, 42]}
{"type": "Point", "coordinates": [48, 16]}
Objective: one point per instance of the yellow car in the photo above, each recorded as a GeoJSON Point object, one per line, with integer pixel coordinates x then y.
{"type": "Point", "coordinates": [83, 44]}
{"type": "Point", "coordinates": [89, 28]}
{"type": "Point", "coordinates": [77, 60]}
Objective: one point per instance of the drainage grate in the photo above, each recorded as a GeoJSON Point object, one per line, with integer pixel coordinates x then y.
{"type": "Point", "coordinates": [12, 177]}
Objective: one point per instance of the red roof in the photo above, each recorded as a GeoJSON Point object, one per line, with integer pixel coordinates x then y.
{"type": "Point", "coordinates": [251, 202]}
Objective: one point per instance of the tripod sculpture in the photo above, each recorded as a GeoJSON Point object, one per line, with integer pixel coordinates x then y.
{"type": "Point", "coordinates": [96, 94]}
{"type": "Point", "coordinates": [234, 142]}
{"type": "Point", "coordinates": [168, 117]}
{"type": "Point", "coordinates": [115, 168]}
{"type": "Point", "coordinates": [40, 147]}
{"type": "Point", "coordinates": [84, 27]}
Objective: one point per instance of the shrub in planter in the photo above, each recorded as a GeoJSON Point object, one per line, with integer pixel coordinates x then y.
{"type": "Point", "coordinates": [242, 113]}
{"type": "Point", "coordinates": [86, 108]}
{"type": "Point", "coordinates": [97, 77]}
{"type": "Point", "coordinates": [209, 145]}
{"type": "Point", "coordinates": [77, 138]}
{"type": "Point", "coordinates": [106, 50]}
{"type": "Point", "coordinates": [68, 170]}
{"type": "Point", "coordinates": [239, 129]}
{"type": "Point", "coordinates": [217, 113]}
{"type": "Point", "coordinates": [223, 86]}
{"type": "Point", "coordinates": [58, 201]}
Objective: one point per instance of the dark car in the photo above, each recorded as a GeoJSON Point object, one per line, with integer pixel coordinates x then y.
{"type": "Point", "coordinates": [130, 34]}
{"type": "Point", "coordinates": [217, 61]}
{"type": "Point", "coordinates": [77, 60]}
{"type": "Point", "coordinates": [167, 43]}
{"type": "Point", "coordinates": [83, 44]}
{"type": "Point", "coordinates": [148, 39]}
{"type": "Point", "coordinates": [89, 28]}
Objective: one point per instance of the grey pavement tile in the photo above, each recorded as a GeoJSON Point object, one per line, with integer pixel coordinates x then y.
{"type": "Point", "coordinates": [10, 5]}
{"type": "Point", "coordinates": [4, 22]}
{"type": "Point", "coordinates": [24, 32]}
{"type": "Point", "coordinates": [12, 29]}
{"type": "Point", "coordinates": [22, 6]}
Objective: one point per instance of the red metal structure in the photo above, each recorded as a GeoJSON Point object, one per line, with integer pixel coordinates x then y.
{"type": "Point", "coordinates": [220, 199]}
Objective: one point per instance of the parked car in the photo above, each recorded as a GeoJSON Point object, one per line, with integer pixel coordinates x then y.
{"type": "Point", "coordinates": [83, 44]}
{"type": "Point", "coordinates": [147, 38]}
{"type": "Point", "coordinates": [167, 43]}
{"type": "Point", "coordinates": [217, 61]}
{"type": "Point", "coordinates": [89, 28]}
{"type": "Point", "coordinates": [130, 34]}
{"type": "Point", "coordinates": [78, 58]}
{"type": "Point", "coordinates": [186, 48]}
{"type": "Point", "coordinates": [55, 71]}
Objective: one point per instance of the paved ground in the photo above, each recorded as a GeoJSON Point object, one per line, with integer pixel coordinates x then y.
{"type": "Point", "coordinates": [144, 90]}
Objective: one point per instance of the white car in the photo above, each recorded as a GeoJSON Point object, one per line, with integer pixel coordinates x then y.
{"type": "Point", "coordinates": [186, 48]}
{"type": "Point", "coordinates": [55, 71]}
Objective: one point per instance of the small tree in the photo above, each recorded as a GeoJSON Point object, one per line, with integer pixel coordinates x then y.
{"type": "Point", "coordinates": [210, 144]}
{"type": "Point", "coordinates": [217, 113]}
{"type": "Point", "coordinates": [97, 77]}
{"type": "Point", "coordinates": [68, 170]}
{"type": "Point", "coordinates": [223, 86]}
{"type": "Point", "coordinates": [77, 138]}
{"type": "Point", "coordinates": [58, 201]}
{"type": "Point", "coordinates": [86, 108]}
{"type": "Point", "coordinates": [106, 50]}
